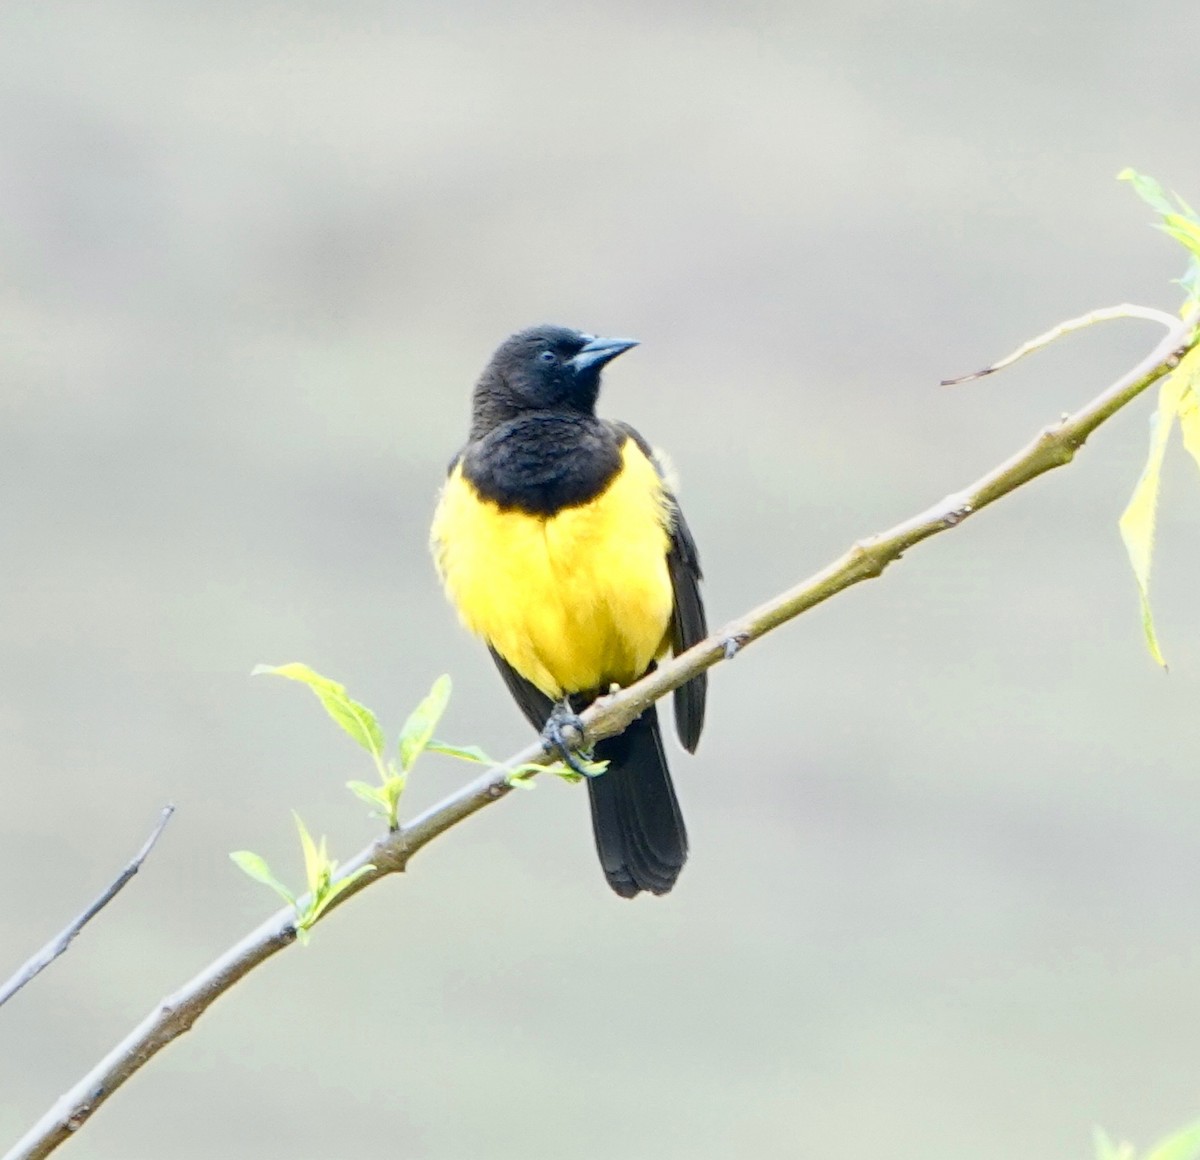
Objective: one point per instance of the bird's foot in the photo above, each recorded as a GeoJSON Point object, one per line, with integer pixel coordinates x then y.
{"type": "Point", "coordinates": [554, 738]}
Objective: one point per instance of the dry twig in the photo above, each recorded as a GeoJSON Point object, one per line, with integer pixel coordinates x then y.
{"type": "Point", "coordinates": [61, 941]}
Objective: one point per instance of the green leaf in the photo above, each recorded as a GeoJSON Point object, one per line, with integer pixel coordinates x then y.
{"type": "Point", "coordinates": [393, 787]}
{"type": "Point", "coordinates": [355, 719]}
{"type": "Point", "coordinates": [1184, 230]}
{"type": "Point", "coordinates": [1179, 221]}
{"type": "Point", "coordinates": [1183, 1145]}
{"type": "Point", "coordinates": [1137, 521]}
{"type": "Point", "coordinates": [590, 768]}
{"type": "Point", "coordinates": [1191, 281]}
{"type": "Point", "coordinates": [521, 776]}
{"type": "Point", "coordinates": [462, 752]}
{"type": "Point", "coordinates": [334, 889]}
{"type": "Point", "coordinates": [1148, 190]}
{"type": "Point", "coordinates": [373, 795]}
{"type": "Point", "coordinates": [1189, 403]}
{"type": "Point", "coordinates": [317, 867]}
{"type": "Point", "coordinates": [256, 867]}
{"type": "Point", "coordinates": [1189, 423]}
{"type": "Point", "coordinates": [422, 721]}
{"type": "Point", "coordinates": [532, 768]}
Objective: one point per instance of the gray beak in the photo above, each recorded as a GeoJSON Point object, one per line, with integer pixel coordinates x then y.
{"type": "Point", "coordinates": [600, 351]}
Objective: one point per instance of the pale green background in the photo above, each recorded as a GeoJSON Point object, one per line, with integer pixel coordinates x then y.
{"type": "Point", "coordinates": [946, 861]}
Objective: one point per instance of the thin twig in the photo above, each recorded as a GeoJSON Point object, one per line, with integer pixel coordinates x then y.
{"type": "Point", "coordinates": [60, 942]}
{"type": "Point", "coordinates": [1053, 447]}
{"type": "Point", "coordinates": [1107, 314]}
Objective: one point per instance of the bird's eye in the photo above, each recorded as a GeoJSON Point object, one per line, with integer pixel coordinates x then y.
{"type": "Point", "coordinates": [548, 356]}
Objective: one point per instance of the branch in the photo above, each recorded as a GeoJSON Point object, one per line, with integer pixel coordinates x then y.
{"type": "Point", "coordinates": [57, 945]}
{"type": "Point", "coordinates": [1108, 314]}
{"type": "Point", "coordinates": [1053, 447]}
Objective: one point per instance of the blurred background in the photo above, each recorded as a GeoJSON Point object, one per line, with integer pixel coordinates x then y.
{"type": "Point", "coordinates": [942, 897]}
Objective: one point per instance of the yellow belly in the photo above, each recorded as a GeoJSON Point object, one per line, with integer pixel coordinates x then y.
{"type": "Point", "coordinates": [574, 601]}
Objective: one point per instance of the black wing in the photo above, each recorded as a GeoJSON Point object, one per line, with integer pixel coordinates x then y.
{"type": "Point", "coordinates": [688, 627]}
{"type": "Point", "coordinates": [688, 624]}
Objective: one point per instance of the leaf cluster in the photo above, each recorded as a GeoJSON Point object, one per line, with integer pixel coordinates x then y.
{"type": "Point", "coordinates": [319, 875]}
{"type": "Point", "coordinates": [383, 796]}
{"type": "Point", "coordinates": [1178, 400]}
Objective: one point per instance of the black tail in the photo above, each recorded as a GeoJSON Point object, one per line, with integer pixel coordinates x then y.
{"type": "Point", "coordinates": [639, 830]}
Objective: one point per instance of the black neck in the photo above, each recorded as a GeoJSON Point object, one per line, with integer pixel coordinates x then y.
{"type": "Point", "coordinates": [543, 461]}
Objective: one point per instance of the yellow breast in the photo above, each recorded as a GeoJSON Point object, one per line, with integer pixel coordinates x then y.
{"type": "Point", "coordinates": [573, 601]}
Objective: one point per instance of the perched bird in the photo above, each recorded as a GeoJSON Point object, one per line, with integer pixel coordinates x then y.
{"type": "Point", "coordinates": [560, 543]}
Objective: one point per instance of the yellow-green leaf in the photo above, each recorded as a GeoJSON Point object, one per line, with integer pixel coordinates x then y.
{"type": "Point", "coordinates": [315, 862]}
{"type": "Point", "coordinates": [1179, 221]}
{"type": "Point", "coordinates": [463, 752]}
{"type": "Point", "coordinates": [1147, 189]}
{"type": "Point", "coordinates": [393, 787]}
{"type": "Point", "coordinates": [256, 867]}
{"type": "Point", "coordinates": [1183, 1145]}
{"type": "Point", "coordinates": [1189, 423]}
{"type": "Point", "coordinates": [422, 721]}
{"type": "Point", "coordinates": [355, 719]}
{"type": "Point", "coordinates": [1137, 521]}
{"type": "Point", "coordinates": [372, 795]}
{"type": "Point", "coordinates": [1189, 403]}
{"type": "Point", "coordinates": [335, 888]}
{"type": "Point", "coordinates": [1183, 230]}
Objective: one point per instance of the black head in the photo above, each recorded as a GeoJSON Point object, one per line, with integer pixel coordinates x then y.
{"type": "Point", "coordinates": [544, 368]}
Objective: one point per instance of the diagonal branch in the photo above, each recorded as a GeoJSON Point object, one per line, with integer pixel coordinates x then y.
{"type": "Point", "coordinates": [55, 947]}
{"type": "Point", "coordinates": [1053, 447]}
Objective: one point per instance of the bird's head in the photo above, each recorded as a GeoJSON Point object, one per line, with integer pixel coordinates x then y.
{"type": "Point", "coordinates": [544, 368]}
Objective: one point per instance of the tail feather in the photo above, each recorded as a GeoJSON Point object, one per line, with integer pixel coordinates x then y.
{"type": "Point", "coordinates": [639, 830]}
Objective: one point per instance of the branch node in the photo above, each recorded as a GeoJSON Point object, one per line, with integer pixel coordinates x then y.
{"type": "Point", "coordinates": [865, 560]}
{"type": "Point", "coordinates": [733, 644]}
{"type": "Point", "coordinates": [389, 854]}
{"type": "Point", "coordinates": [1056, 448]}
{"type": "Point", "coordinates": [82, 1112]}
{"type": "Point", "coordinates": [955, 516]}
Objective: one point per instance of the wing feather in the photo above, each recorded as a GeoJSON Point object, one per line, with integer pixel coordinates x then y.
{"type": "Point", "coordinates": [688, 623]}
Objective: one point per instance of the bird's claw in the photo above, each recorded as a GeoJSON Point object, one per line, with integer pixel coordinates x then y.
{"type": "Point", "coordinates": [554, 739]}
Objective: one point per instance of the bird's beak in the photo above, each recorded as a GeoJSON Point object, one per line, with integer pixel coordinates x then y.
{"type": "Point", "coordinates": [600, 351]}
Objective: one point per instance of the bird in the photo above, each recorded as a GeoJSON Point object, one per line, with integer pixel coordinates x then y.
{"type": "Point", "coordinates": [559, 540]}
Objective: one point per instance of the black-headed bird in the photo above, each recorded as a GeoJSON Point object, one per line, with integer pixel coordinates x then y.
{"type": "Point", "coordinates": [560, 543]}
